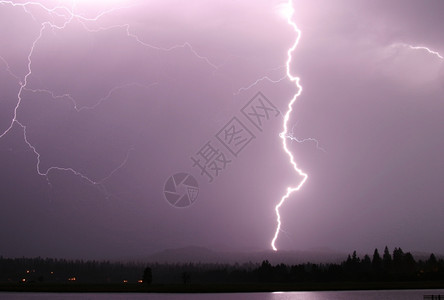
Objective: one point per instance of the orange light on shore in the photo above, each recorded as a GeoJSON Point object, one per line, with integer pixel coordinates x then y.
{"type": "Point", "coordinates": [140, 281]}
{"type": "Point", "coordinates": [125, 281]}
{"type": "Point", "coordinates": [72, 279]}
{"type": "Point", "coordinates": [23, 280]}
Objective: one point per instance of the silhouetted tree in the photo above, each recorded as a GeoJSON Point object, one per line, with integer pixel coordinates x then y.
{"type": "Point", "coordinates": [401, 266]}
{"type": "Point", "coordinates": [280, 273]}
{"type": "Point", "coordinates": [432, 260]}
{"type": "Point", "coordinates": [364, 268]}
{"type": "Point", "coordinates": [376, 263]}
{"type": "Point", "coordinates": [398, 260]}
{"type": "Point", "coordinates": [386, 259]}
{"type": "Point", "coordinates": [432, 266]}
{"type": "Point", "coordinates": [409, 266]}
{"type": "Point", "coordinates": [351, 265]}
{"type": "Point", "coordinates": [355, 258]}
{"type": "Point", "coordinates": [398, 255]}
{"type": "Point", "coordinates": [366, 263]}
{"type": "Point", "coordinates": [185, 277]}
{"type": "Point", "coordinates": [265, 271]}
{"type": "Point", "coordinates": [147, 276]}
{"type": "Point", "coordinates": [298, 273]}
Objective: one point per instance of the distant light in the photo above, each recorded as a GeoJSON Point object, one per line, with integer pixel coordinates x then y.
{"type": "Point", "coordinates": [140, 281]}
{"type": "Point", "coordinates": [52, 273]}
{"type": "Point", "coordinates": [23, 280]}
{"type": "Point", "coordinates": [27, 271]}
{"type": "Point", "coordinates": [125, 281]}
{"type": "Point", "coordinates": [72, 279]}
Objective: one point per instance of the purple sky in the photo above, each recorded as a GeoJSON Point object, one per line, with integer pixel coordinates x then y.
{"type": "Point", "coordinates": [116, 102]}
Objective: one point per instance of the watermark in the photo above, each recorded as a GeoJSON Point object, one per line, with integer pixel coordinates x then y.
{"type": "Point", "coordinates": [221, 151]}
{"type": "Point", "coordinates": [210, 160]}
{"type": "Point", "coordinates": [181, 190]}
{"type": "Point", "coordinates": [235, 136]}
{"type": "Point", "coordinates": [259, 110]}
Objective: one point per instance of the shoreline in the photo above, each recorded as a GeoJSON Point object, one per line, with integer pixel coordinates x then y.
{"type": "Point", "coordinates": [215, 288]}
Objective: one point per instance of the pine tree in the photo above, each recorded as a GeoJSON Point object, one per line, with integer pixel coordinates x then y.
{"type": "Point", "coordinates": [386, 259]}
{"type": "Point", "coordinates": [376, 261]}
{"type": "Point", "coordinates": [147, 276]}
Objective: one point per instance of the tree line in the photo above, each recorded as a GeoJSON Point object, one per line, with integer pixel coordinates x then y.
{"type": "Point", "coordinates": [385, 267]}
{"type": "Point", "coordinates": [396, 266]}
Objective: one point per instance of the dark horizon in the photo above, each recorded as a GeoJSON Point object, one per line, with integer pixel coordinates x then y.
{"type": "Point", "coordinates": [197, 254]}
{"type": "Point", "coordinates": [385, 269]}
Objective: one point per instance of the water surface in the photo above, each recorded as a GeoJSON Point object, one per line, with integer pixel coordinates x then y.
{"type": "Point", "coordinates": [336, 295]}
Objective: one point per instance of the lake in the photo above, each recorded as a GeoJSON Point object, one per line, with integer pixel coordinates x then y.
{"type": "Point", "coordinates": [339, 295]}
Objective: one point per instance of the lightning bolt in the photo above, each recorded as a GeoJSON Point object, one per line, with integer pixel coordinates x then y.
{"type": "Point", "coordinates": [54, 96]}
{"type": "Point", "coordinates": [284, 134]}
{"type": "Point", "coordinates": [292, 137]}
{"type": "Point", "coordinates": [23, 86]}
{"type": "Point", "coordinates": [426, 49]}
{"type": "Point", "coordinates": [8, 69]}
{"type": "Point", "coordinates": [419, 48]}
{"type": "Point", "coordinates": [257, 81]}
{"type": "Point", "coordinates": [67, 14]}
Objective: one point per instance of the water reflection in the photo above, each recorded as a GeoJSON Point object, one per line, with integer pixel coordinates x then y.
{"type": "Point", "coordinates": [341, 295]}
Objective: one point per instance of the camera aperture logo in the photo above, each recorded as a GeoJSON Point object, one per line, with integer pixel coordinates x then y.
{"type": "Point", "coordinates": [181, 190]}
